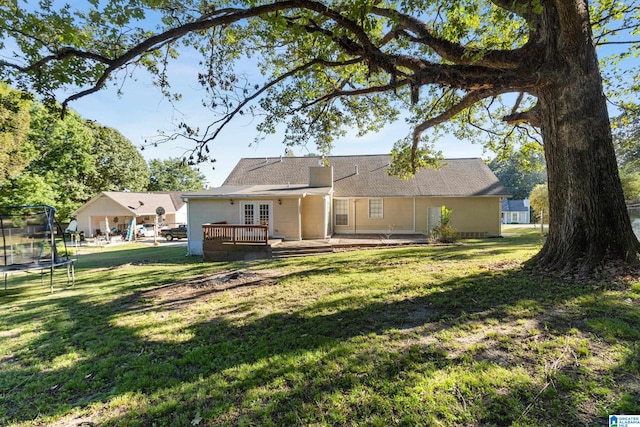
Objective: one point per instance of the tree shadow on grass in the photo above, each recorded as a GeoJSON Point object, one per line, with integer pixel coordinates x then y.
{"type": "Point", "coordinates": [415, 360]}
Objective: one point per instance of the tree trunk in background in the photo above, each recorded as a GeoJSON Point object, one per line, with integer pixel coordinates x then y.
{"type": "Point", "coordinates": [588, 218]}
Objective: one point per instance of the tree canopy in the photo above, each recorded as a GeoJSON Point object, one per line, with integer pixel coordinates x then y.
{"type": "Point", "coordinates": [63, 158]}
{"type": "Point", "coordinates": [519, 174]}
{"type": "Point", "coordinates": [64, 162]}
{"type": "Point", "coordinates": [539, 200]}
{"type": "Point", "coordinates": [174, 175]}
{"type": "Point", "coordinates": [520, 72]}
{"type": "Point", "coordinates": [627, 143]}
{"type": "Point", "coordinates": [15, 117]}
{"type": "Point", "coordinates": [328, 66]}
{"type": "Point", "coordinates": [119, 165]}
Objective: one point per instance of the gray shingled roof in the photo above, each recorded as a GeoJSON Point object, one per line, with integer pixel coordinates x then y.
{"type": "Point", "coordinates": [456, 177]}
{"type": "Point", "coordinates": [171, 201]}
{"type": "Point", "coordinates": [514, 206]}
{"type": "Point", "coordinates": [250, 191]}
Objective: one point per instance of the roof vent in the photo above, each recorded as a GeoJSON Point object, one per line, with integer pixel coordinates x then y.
{"type": "Point", "coordinates": [280, 158]}
{"type": "Point", "coordinates": [357, 172]}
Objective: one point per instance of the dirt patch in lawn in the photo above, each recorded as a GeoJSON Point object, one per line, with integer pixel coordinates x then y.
{"type": "Point", "coordinates": [186, 291]}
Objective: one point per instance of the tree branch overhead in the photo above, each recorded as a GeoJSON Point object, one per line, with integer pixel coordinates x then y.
{"type": "Point", "coordinates": [329, 67]}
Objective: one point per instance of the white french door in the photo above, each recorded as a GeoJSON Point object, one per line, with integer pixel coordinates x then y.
{"type": "Point", "coordinates": [257, 213]}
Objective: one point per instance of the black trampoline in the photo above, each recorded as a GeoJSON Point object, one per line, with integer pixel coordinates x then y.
{"type": "Point", "coordinates": [32, 240]}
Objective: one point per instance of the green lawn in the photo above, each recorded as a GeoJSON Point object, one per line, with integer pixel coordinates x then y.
{"type": "Point", "coordinates": [431, 335]}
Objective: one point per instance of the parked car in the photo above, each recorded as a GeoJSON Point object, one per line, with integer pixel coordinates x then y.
{"type": "Point", "coordinates": [179, 232]}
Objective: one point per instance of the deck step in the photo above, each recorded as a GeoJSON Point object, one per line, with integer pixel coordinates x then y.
{"type": "Point", "coordinates": [286, 252]}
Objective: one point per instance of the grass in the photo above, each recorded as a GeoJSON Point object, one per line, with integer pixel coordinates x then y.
{"type": "Point", "coordinates": [431, 335]}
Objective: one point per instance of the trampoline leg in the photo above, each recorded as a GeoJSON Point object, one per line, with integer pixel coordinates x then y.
{"type": "Point", "coordinates": [71, 275]}
{"type": "Point", "coordinates": [51, 277]}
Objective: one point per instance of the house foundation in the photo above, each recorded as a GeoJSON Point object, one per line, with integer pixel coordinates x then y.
{"type": "Point", "coordinates": [223, 251]}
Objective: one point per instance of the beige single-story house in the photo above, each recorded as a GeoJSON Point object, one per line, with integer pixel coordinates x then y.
{"type": "Point", "coordinates": [118, 211]}
{"type": "Point", "coordinates": [313, 198]}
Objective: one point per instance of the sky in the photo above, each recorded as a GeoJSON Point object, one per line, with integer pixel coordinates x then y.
{"type": "Point", "coordinates": [142, 111]}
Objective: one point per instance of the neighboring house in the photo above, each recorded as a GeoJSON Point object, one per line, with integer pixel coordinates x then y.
{"type": "Point", "coordinates": [516, 212]}
{"type": "Point", "coordinates": [298, 198]}
{"type": "Point", "coordinates": [634, 216]}
{"type": "Point", "coordinates": [111, 210]}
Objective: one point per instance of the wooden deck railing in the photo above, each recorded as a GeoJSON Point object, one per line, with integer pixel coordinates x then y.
{"type": "Point", "coordinates": [235, 234]}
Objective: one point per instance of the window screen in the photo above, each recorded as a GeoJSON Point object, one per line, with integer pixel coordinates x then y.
{"type": "Point", "coordinates": [375, 208]}
{"type": "Point", "coordinates": [341, 211]}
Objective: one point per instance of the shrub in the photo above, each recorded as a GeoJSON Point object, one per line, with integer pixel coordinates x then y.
{"type": "Point", "coordinates": [444, 233]}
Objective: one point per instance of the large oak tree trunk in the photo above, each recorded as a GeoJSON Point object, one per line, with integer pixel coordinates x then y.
{"type": "Point", "coordinates": [589, 222]}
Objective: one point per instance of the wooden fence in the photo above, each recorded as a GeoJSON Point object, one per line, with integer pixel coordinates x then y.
{"type": "Point", "coordinates": [236, 234]}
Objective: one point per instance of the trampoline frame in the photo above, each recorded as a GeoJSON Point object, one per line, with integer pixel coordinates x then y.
{"type": "Point", "coordinates": [53, 262]}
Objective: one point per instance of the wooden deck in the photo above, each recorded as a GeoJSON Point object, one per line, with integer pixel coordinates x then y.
{"type": "Point", "coordinates": [229, 242]}
{"type": "Point", "coordinates": [235, 242]}
{"type": "Point", "coordinates": [236, 234]}
{"type": "Point", "coordinates": [342, 243]}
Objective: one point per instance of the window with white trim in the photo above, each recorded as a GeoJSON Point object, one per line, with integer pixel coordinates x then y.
{"type": "Point", "coordinates": [341, 209]}
{"type": "Point", "coordinates": [376, 209]}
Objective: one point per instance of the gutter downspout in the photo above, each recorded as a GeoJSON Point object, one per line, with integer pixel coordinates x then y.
{"type": "Point", "coordinates": [330, 215]}
{"type": "Point", "coordinates": [186, 201]}
{"type": "Point", "coordinates": [299, 218]}
{"type": "Point", "coordinates": [414, 215]}
{"type": "Point", "coordinates": [499, 217]}
{"type": "Point", "coordinates": [355, 228]}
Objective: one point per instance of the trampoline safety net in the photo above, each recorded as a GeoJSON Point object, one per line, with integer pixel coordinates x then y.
{"type": "Point", "coordinates": [32, 240]}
